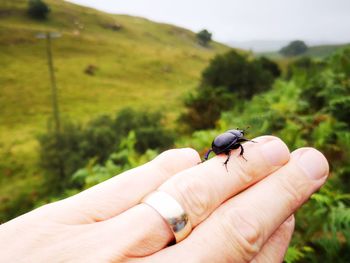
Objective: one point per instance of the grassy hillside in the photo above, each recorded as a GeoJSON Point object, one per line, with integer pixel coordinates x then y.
{"type": "Point", "coordinates": [138, 63]}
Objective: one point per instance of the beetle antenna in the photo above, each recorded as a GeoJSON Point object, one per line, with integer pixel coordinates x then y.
{"type": "Point", "coordinates": [248, 127]}
{"type": "Point", "coordinates": [207, 155]}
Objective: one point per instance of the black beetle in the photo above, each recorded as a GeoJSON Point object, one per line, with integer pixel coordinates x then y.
{"type": "Point", "coordinates": [226, 142]}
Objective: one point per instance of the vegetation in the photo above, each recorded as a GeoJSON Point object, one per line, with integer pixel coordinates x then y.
{"type": "Point", "coordinates": [203, 107]}
{"type": "Point", "coordinates": [294, 48]}
{"type": "Point", "coordinates": [229, 77]}
{"type": "Point", "coordinates": [37, 9]}
{"type": "Point", "coordinates": [64, 153]}
{"type": "Point", "coordinates": [204, 37]}
{"type": "Point", "coordinates": [238, 74]}
{"type": "Point", "coordinates": [300, 111]}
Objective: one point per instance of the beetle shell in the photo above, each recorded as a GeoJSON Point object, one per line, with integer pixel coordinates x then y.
{"type": "Point", "coordinates": [238, 133]}
{"type": "Point", "coordinates": [224, 141]}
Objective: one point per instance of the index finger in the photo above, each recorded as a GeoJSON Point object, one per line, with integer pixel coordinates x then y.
{"type": "Point", "coordinates": [201, 189]}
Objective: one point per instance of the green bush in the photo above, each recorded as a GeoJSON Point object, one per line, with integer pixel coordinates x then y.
{"type": "Point", "coordinates": [64, 153]}
{"type": "Point", "coordinates": [239, 74]}
{"type": "Point", "coordinates": [294, 48]}
{"type": "Point", "coordinates": [60, 155]}
{"type": "Point", "coordinates": [204, 37]}
{"type": "Point", "coordinates": [100, 139]}
{"type": "Point", "coordinates": [38, 9]}
{"type": "Point", "coordinates": [124, 158]}
{"type": "Point", "coordinates": [270, 66]}
{"type": "Point", "coordinates": [340, 109]}
{"type": "Point", "coordinates": [205, 106]}
{"type": "Point", "coordinates": [228, 79]}
{"type": "Point", "coordinates": [149, 129]}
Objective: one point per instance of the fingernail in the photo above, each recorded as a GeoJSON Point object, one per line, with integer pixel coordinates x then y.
{"type": "Point", "coordinates": [276, 152]}
{"type": "Point", "coordinates": [314, 164]}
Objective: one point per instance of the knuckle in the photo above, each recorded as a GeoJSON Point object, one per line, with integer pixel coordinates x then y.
{"type": "Point", "coordinates": [242, 231]}
{"type": "Point", "coordinates": [291, 195]}
{"type": "Point", "coordinates": [244, 173]}
{"type": "Point", "coordinates": [283, 233]}
{"type": "Point", "coordinates": [194, 195]}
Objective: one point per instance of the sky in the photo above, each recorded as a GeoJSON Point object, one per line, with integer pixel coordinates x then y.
{"type": "Point", "coordinates": [245, 21]}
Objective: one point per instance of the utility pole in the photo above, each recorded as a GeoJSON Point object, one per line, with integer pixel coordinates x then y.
{"type": "Point", "coordinates": [55, 108]}
{"type": "Point", "coordinates": [54, 98]}
{"type": "Point", "coordinates": [56, 114]}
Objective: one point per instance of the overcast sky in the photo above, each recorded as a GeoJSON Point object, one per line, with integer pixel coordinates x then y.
{"type": "Point", "coordinates": [315, 21]}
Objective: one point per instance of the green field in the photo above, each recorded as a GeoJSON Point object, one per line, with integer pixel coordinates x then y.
{"type": "Point", "coordinates": [138, 63]}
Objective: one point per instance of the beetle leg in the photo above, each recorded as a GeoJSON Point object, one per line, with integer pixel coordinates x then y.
{"type": "Point", "coordinates": [245, 140]}
{"type": "Point", "coordinates": [242, 151]}
{"type": "Point", "coordinates": [228, 158]}
{"type": "Point", "coordinates": [206, 156]}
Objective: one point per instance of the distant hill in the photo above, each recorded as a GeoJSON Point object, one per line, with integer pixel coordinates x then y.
{"type": "Point", "coordinates": [320, 51]}
{"type": "Point", "coordinates": [258, 46]}
{"type": "Point", "coordinates": [103, 63]}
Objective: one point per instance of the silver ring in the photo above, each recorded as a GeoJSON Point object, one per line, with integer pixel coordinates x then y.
{"type": "Point", "coordinates": [172, 212]}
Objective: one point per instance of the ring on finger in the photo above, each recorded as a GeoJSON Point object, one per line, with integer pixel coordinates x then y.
{"type": "Point", "coordinates": [172, 212]}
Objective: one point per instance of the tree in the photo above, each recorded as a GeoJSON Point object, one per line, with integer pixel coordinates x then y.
{"type": "Point", "coordinates": [238, 74]}
{"type": "Point", "coordinates": [229, 77]}
{"type": "Point", "coordinates": [37, 9]}
{"type": "Point", "coordinates": [204, 37]}
{"type": "Point", "coordinates": [294, 48]}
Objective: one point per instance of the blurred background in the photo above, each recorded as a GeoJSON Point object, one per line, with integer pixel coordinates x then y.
{"type": "Point", "coordinates": [89, 89]}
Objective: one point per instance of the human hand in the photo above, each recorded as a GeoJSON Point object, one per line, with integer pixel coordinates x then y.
{"type": "Point", "coordinates": [240, 215]}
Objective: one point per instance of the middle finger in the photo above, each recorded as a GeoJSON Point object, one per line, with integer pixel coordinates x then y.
{"type": "Point", "coordinates": [202, 189]}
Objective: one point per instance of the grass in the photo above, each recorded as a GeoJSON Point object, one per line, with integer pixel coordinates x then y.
{"type": "Point", "coordinates": [144, 65]}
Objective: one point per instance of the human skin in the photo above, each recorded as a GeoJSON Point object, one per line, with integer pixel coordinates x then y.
{"type": "Point", "coordinates": [242, 214]}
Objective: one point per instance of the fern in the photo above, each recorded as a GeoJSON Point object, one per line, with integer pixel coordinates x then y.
{"type": "Point", "coordinates": [295, 254]}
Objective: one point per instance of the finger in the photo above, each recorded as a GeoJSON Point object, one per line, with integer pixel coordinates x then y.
{"type": "Point", "coordinates": [239, 228]}
{"type": "Point", "coordinates": [201, 189]}
{"type": "Point", "coordinates": [273, 250]}
{"type": "Point", "coordinates": [121, 192]}
{"type": "Point", "coordinates": [276, 246]}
